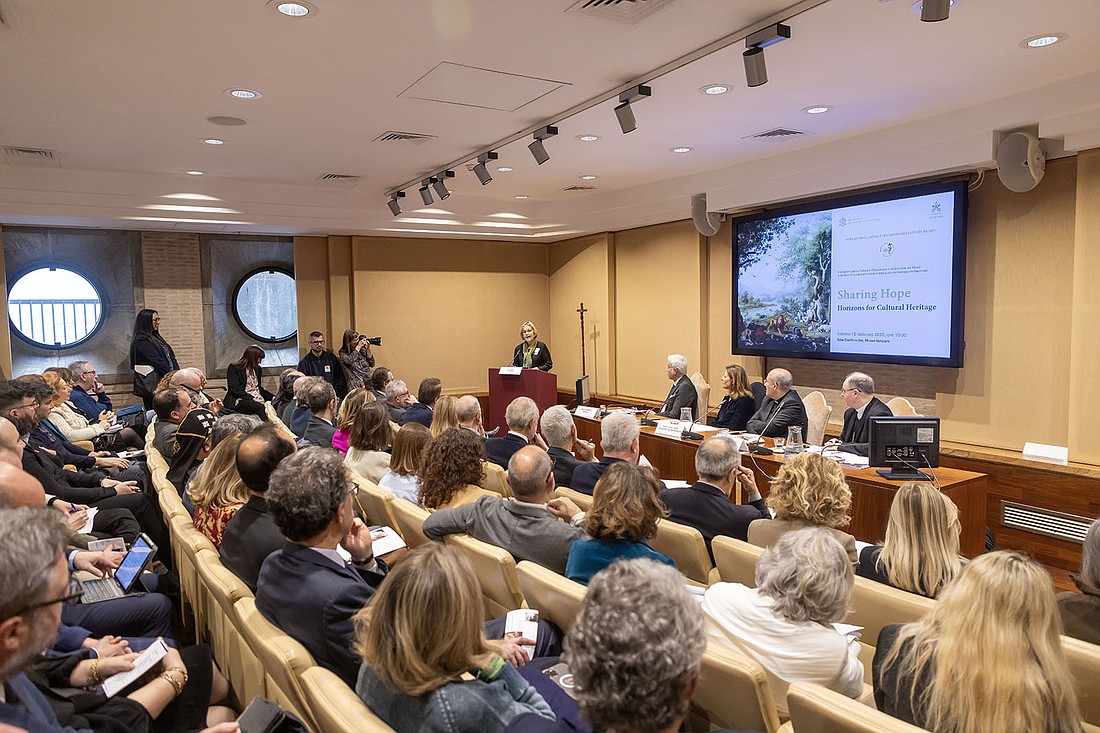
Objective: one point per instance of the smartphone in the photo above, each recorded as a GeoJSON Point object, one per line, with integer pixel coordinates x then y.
{"type": "Point", "coordinates": [261, 716]}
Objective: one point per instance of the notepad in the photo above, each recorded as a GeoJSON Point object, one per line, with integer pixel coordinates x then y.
{"type": "Point", "coordinates": [145, 662]}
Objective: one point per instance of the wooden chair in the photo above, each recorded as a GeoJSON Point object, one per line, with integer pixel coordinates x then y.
{"type": "Point", "coordinates": [584, 501]}
{"type": "Point", "coordinates": [901, 407]}
{"type": "Point", "coordinates": [495, 479]}
{"type": "Point", "coordinates": [1083, 660]}
{"type": "Point", "coordinates": [875, 605]}
{"type": "Point", "coordinates": [815, 709]}
{"type": "Point", "coordinates": [496, 573]}
{"type": "Point", "coordinates": [410, 522]}
{"type": "Point", "coordinates": [556, 598]}
{"type": "Point", "coordinates": [686, 546]}
{"type": "Point", "coordinates": [818, 412]}
{"type": "Point", "coordinates": [732, 693]}
{"type": "Point", "coordinates": [187, 543]}
{"type": "Point", "coordinates": [702, 391]}
{"type": "Point", "coordinates": [736, 560]}
{"type": "Point", "coordinates": [375, 503]}
{"type": "Point", "coordinates": [336, 707]}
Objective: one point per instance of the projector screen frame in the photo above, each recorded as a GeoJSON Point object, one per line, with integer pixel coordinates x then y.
{"type": "Point", "coordinates": [859, 197]}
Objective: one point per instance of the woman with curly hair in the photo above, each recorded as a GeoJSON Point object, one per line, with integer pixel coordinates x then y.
{"type": "Point", "coordinates": [626, 507]}
{"type": "Point", "coordinates": [451, 471]}
{"type": "Point", "coordinates": [218, 491]}
{"type": "Point", "coordinates": [808, 491]}
{"type": "Point", "coordinates": [987, 658]}
{"type": "Point", "coordinates": [444, 416]}
{"type": "Point", "coordinates": [921, 550]}
{"type": "Point", "coordinates": [369, 437]}
{"type": "Point", "coordinates": [350, 408]}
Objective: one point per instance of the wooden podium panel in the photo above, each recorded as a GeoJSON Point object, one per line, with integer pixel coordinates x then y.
{"type": "Point", "coordinates": [540, 386]}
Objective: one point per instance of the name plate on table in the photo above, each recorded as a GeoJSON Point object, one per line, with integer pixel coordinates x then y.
{"type": "Point", "coordinates": [511, 371]}
{"type": "Point", "coordinates": [669, 429]}
{"type": "Point", "coordinates": [588, 412]}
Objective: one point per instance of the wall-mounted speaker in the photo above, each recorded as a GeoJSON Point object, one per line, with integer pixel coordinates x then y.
{"type": "Point", "coordinates": [706, 222]}
{"type": "Point", "coordinates": [1020, 161]}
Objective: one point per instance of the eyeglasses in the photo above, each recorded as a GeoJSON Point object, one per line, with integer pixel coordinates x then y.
{"type": "Point", "coordinates": [156, 320]}
{"type": "Point", "coordinates": [36, 403]}
{"type": "Point", "coordinates": [73, 592]}
{"type": "Point", "coordinates": [846, 390]}
{"type": "Point", "coordinates": [353, 489]}
{"type": "Point", "coordinates": [89, 371]}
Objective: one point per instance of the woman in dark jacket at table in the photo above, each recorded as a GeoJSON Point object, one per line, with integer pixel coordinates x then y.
{"type": "Point", "coordinates": [738, 405]}
{"type": "Point", "coordinates": [149, 349]}
{"type": "Point", "coordinates": [244, 384]}
{"type": "Point", "coordinates": [532, 353]}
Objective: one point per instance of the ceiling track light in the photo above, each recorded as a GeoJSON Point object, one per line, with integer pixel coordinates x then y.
{"type": "Point", "coordinates": [395, 206]}
{"type": "Point", "coordinates": [481, 171]}
{"type": "Point", "coordinates": [426, 192]}
{"type": "Point", "coordinates": [756, 72]}
{"type": "Point", "coordinates": [624, 113]}
{"type": "Point", "coordinates": [438, 183]}
{"type": "Point", "coordinates": [538, 150]}
{"type": "Point", "coordinates": [933, 11]}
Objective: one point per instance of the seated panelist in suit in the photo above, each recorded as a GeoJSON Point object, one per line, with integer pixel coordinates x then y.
{"type": "Point", "coordinates": [782, 407]}
{"type": "Point", "coordinates": [522, 418]}
{"type": "Point", "coordinates": [858, 391]}
{"type": "Point", "coordinates": [560, 433]}
{"type": "Point", "coordinates": [619, 438]}
{"type": "Point", "coordinates": [531, 353]}
{"type": "Point", "coordinates": [683, 392]}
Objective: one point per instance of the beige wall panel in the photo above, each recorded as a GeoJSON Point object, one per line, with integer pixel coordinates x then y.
{"type": "Point", "coordinates": [579, 272]}
{"type": "Point", "coordinates": [1084, 440]}
{"type": "Point", "coordinates": [311, 277]}
{"type": "Point", "coordinates": [720, 332]}
{"type": "Point", "coordinates": [450, 255]}
{"type": "Point", "coordinates": [340, 289]}
{"type": "Point", "coordinates": [657, 284]}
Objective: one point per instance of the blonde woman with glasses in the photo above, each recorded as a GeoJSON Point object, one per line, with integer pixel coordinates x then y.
{"type": "Point", "coordinates": [217, 490]}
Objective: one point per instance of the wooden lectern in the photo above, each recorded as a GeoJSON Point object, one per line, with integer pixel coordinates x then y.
{"type": "Point", "coordinates": [540, 386]}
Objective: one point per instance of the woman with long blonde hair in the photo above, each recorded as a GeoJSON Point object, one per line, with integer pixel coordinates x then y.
{"type": "Point", "coordinates": [444, 416]}
{"type": "Point", "coordinates": [426, 662]}
{"type": "Point", "coordinates": [987, 659]}
{"type": "Point", "coordinates": [921, 551]}
{"type": "Point", "coordinates": [217, 490]}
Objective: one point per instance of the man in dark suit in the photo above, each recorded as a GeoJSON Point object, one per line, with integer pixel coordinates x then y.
{"type": "Point", "coordinates": [307, 589]}
{"type": "Point", "coordinates": [708, 504]}
{"type": "Point", "coordinates": [620, 442]}
{"type": "Point", "coordinates": [522, 418]}
{"type": "Point", "coordinates": [782, 407]}
{"type": "Point", "coordinates": [320, 398]}
{"type": "Point", "coordinates": [171, 406]}
{"type": "Point", "coordinates": [560, 433]}
{"type": "Point", "coordinates": [251, 534]}
{"type": "Point", "coordinates": [683, 392]}
{"type": "Point", "coordinates": [426, 396]}
{"type": "Point", "coordinates": [858, 391]}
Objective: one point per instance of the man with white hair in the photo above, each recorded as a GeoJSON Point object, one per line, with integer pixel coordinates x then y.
{"type": "Point", "coordinates": [522, 418]}
{"type": "Point", "coordinates": [620, 442]}
{"type": "Point", "coordinates": [708, 505]}
{"type": "Point", "coordinates": [468, 412]}
{"type": "Point", "coordinates": [560, 433]}
{"type": "Point", "coordinates": [782, 408]}
{"type": "Point", "coordinates": [397, 400]}
{"type": "Point", "coordinates": [682, 394]}
{"type": "Point", "coordinates": [858, 391]}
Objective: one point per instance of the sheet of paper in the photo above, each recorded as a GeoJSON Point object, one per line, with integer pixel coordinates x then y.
{"type": "Point", "coordinates": [92, 511]}
{"type": "Point", "coordinates": [523, 623]}
{"type": "Point", "coordinates": [385, 540]}
{"type": "Point", "coordinates": [674, 483]}
{"type": "Point", "coordinates": [145, 661]}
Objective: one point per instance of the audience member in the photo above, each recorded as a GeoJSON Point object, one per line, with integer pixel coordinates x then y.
{"type": "Point", "coordinates": [444, 415]}
{"type": "Point", "coordinates": [229, 425]}
{"type": "Point", "coordinates": [426, 396]}
{"type": "Point", "coordinates": [781, 409]}
{"type": "Point", "coordinates": [560, 433]}
{"type": "Point", "coordinates": [357, 360]}
{"type": "Point", "coordinates": [682, 393]}
{"type": "Point", "coordinates": [296, 414]}
{"type": "Point", "coordinates": [858, 391]}
{"type": "Point", "coordinates": [307, 589]}
{"type": "Point", "coordinates": [803, 586]}
{"type": "Point", "coordinates": [708, 505]}
{"type": "Point", "coordinates": [190, 447]}
{"type": "Point", "coordinates": [73, 414]}
{"type": "Point", "coordinates": [320, 397]}
{"type": "Point", "coordinates": [1081, 611]}
{"type": "Point", "coordinates": [89, 396]}
{"type": "Point", "coordinates": [468, 412]}
{"type": "Point", "coordinates": [526, 526]}
{"type": "Point", "coordinates": [350, 408]}
{"type": "Point", "coordinates": [370, 437]}
{"type": "Point", "coordinates": [426, 662]}
{"type": "Point", "coordinates": [193, 380]}
{"type": "Point", "coordinates": [921, 550]}
{"type": "Point", "coordinates": [244, 383]}
{"type": "Point", "coordinates": [452, 471]}
{"type": "Point", "coordinates": [808, 491]}
{"type": "Point", "coordinates": [149, 352]}
{"type": "Point", "coordinates": [619, 438]}
{"type": "Point", "coordinates": [522, 418]}
{"type": "Point", "coordinates": [987, 658]}
{"type": "Point", "coordinates": [738, 404]}
{"type": "Point", "coordinates": [66, 418]}
{"type": "Point", "coordinates": [379, 378]}
{"type": "Point", "coordinates": [171, 407]}
{"type": "Point", "coordinates": [218, 491]}
{"type": "Point", "coordinates": [397, 400]}
{"type": "Point", "coordinates": [624, 516]}
{"type": "Point", "coordinates": [403, 478]}
{"type": "Point", "coordinates": [320, 362]}
{"type": "Point", "coordinates": [285, 396]}
{"type": "Point", "coordinates": [251, 534]}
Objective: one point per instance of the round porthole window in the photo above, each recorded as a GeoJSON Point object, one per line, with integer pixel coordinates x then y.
{"type": "Point", "coordinates": [54, 307]}
{"type": "Point", "coordinates": [265, 305]}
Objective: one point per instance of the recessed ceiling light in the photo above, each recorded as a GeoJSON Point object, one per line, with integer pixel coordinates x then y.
{"type": "Point", "coordinates": [191, 196]}
{"type": "Point", "coordinates": [296, 9]}
{"type": "Point", "coordinates": [520, 196]}
{"type": "Point", "coordinates": [190, 209]}
{"type": "Point", "coordinates": [680, 149]}
{"type": "Point", "coordinates": [817, 109]}
{"type": "Point", "coordinates": [244, 93]}
{"type": "Point", "coordinates": [196, 173]}
{"type": "Point", "coordinates": [589, 178]}
{"type": "Point", "coordinates": [714, 89]}
{"type": "Point", "coordinates": [1044, 40]}
{"type": "Point", "coordinates": [213, 141]}
{"type": "Point", "coordinates": [916, 7]}
{"type": "Point", "coordinates": [588, 138]}
{"type": "Point", "coordinates": [226, 121]}
{"type": "Point", "coordinates": [504, 169]}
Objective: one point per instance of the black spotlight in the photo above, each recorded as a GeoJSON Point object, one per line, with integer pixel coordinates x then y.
{"type": "Point", "coordinates": [933, 11]}
{"type": "Point", "coordinates": [438, 183]}
{"type": "Point", "coordinates": [538, 150]}
{"type": "Point", "coordinates": [425, 192]}
{"type": "Point", "coordinates": [481, 171]}
{"type": "Point", "coordinates": [756, 72]}
{"type": "Point", "coordinates": [395, 207]}
{"type": "Point", "coordinates": [624, 113]}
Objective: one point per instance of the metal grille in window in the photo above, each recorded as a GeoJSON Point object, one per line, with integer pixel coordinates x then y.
{"type": "Point", "coordinates": [265, 305]}
{"type": "Point", "coordinates": [54, 307]}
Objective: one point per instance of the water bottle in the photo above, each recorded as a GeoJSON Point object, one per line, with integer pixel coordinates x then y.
{"type": "Point", "coordinates": [794, 439]}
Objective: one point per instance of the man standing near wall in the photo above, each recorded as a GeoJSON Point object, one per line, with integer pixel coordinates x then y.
{"type": "Point", "coordinates": [320, 362]}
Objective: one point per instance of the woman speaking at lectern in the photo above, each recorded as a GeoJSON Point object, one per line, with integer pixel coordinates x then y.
{"type": "Point", "coordinates": [532, 353]}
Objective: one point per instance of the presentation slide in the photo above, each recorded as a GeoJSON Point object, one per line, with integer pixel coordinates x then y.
{"type": "Point", "coordinates": [873, 279]}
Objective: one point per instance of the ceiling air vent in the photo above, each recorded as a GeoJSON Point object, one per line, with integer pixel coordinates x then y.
{"type": "Point", "coordinates": [580, 188]}
{"type": "Point", "coordinates": [393, 136]}
{"type": "Point", "coordinates": [630, 12]}
{"type": "Point", "coordinates": [339, 180]}
{"type": "Point", "coordinates": [31, 156]}
{"type": "Point", "coordinates": [776, 133]}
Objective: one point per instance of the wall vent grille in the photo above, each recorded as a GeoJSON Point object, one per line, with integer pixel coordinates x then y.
{"type": "Point", "coordinates": [1069, 527]}
{"type": "Point", "coordinates": [580, 188]}
{"type": "Point", "coordinates": [630, 12]}
{"type": "Point", "coordinates": [393, 136]}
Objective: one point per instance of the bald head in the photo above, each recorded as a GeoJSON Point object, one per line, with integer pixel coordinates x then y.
{"type": "Point", "coordinates": [259, 454]}
{"type": "Point", "coordinates": [189, 377]}
{"type": "Point", "coordinates": [19, 489]}
{"type": "Point", "coordinates": [467, 410]}
{"type": "Point", "coordinates": [531, 474]}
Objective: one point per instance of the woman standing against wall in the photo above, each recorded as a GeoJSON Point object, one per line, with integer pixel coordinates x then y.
{"type": "Point", "coordinates": [149, 354]}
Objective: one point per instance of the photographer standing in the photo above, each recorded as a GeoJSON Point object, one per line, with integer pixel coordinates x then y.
{"type": "Point", "coordinates": [357, 359]}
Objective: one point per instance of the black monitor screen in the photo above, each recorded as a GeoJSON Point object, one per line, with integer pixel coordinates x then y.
{"type": "Point", "coordinates": [905, 445]}
{"type": "Point", "coordinates": [584, 394]}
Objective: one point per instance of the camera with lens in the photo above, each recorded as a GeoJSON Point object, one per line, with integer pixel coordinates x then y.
{"type": "Point", "coordinates": [376, 341]}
